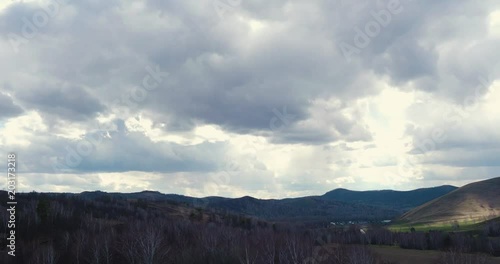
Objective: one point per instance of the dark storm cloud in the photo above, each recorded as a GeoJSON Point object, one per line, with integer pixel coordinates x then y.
{"type": "Point", "coordinates": [406, 61]}
{"type": "Point", "coordinates": [466, 158]}
{"type": "Point", "coordinates": [7, 107]}
{"type": "Point", "coordinates": [410, 48]}
{"type": "Point", "coordinates": [213, 80]}
{"type": "Point", "coordinates": [236, 87]}
{"type": "Point", "coordinates": [329, 126]}
{"type": "Point", "coordinates": [305, 137]}
{"type": "Point", "coordinates": [222, 75]}
{"type": "Point", "coordinates": [63, 101]}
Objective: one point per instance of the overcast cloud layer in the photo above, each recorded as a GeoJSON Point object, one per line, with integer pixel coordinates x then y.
{"type": "Point", "coordinates": [262, 98]}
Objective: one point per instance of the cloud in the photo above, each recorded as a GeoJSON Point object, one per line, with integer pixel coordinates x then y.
{"type": "Point", "coordinates": [62, 101]}
{"type": "Point", "coordinates": [265, 85]}
{"type": "Point", "coordinates": [7, 107]}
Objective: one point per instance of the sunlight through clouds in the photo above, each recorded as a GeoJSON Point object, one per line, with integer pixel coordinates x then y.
{"type": "Point", "coordinates": [20, 130]}
{"type": "Point", "coordinates": [495, 23]}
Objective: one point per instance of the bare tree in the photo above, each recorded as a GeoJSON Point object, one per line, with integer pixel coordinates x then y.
{"type": "Point", "coordinates": [209, 239]}
{"type": "Point", "coordinates": [45, 255]}
{"type": "Point", "coordinates": [247, 257]}
{"type": "Point", "coordinates": [95, 253]}
{"type": "Point", "coordinates": [106, 248]}
{"type": "Point", "coordinates": [360, 255]}
{"type": "Point", "coordinates": [268, 255]}
{"type": "Point", "coordinates": [297, 249]}
{"type": "Point", "coordinates": [455, 257]}
{"type": "Point", "coordinates": [145, 244]}
{"type": "Point", "coordinates": [80, 242]}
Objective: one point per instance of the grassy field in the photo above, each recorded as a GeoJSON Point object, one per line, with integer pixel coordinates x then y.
{"type": "Point", "coordinates": [412, 256]}
{"type": "Point", "coordinates": [464, 226]}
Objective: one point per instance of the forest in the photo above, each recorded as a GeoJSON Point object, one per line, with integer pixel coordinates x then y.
{"type": "Point", "coordinates": [67, 228]}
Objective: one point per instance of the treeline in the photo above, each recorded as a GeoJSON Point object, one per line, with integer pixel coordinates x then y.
{"type": "Point", "coordinates": [459, 242]}
{"type": "Point", "coordinates": [61, 229]}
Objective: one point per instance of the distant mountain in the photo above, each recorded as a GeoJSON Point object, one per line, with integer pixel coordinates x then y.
{"type": "Point", "coordinates": [476, 201]}
{"type": "Point", "coordinates": [395, 200]}
{"type": "Point", "coordinates": [304, 209]}
{"type": "Point", "coordinates": [147, 195]}
{"type": "Point", "coordinates": [336, 205]}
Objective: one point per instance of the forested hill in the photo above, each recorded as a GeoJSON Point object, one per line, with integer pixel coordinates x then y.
{"type": "Point", "coordinates": [397, 200]}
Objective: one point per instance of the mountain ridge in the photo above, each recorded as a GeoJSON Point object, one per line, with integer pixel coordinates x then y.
{"type": "Point", "coordinates": [402, 200]}
{"type": "Point", "coordinates": [338, 204]}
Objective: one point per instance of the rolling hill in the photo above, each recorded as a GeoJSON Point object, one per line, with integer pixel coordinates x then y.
{"type": "Point", "coordinates": [336, 205]}
{"type": "Point", "coordinates": [311, 209]}
{"type": "Point", "coordinates": [305, 209]}
{"type": "Point", "coordinates": [397, 200]}
{"type": "Point", "coordinates": [479, 201]}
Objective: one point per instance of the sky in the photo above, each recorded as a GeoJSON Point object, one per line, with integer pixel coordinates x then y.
{"type": "Point", "coordinates": [270, 99]}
